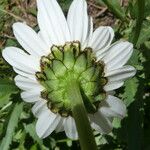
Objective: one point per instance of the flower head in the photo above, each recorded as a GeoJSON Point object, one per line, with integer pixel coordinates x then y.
{"type": "Point", "coordinates": [69, 49]}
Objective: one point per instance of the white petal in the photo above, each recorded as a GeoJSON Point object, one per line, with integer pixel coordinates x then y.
{"type": "Point", "coordinates": [111, 92]}
{"type": "Point", "coordinates": [90, 33]}
{"type": "Point", "coordinates": [101, 122]}
{"type": "Point", "coordinates": [20, 60]}
{"type": "Point", "coordinates": [113, 85]}
{"type": "Point", "coordinates": [27, 83]}
{"type": "Point", "coordinates": [29, 40]}
{"type": "Point", "coordinates": [39, 107]}
{"type": "Point", "coordinates": [78, 20]}
{"type": "Point", "coordinates": [32, 95]}
{"type": "Point", "coordinates": [22, 73]}
{"type": "Point", "coordinates": [52, 21]}
{"type": "Point", "coordinates": [121, 74]}
{"type": "Point", "coordinates": [118, 54]}
{"type": "Point", "coordinates": [44, 38]}
{"type": "Point", "coordinates": [113, 107]}
{"type": "Point", "coordinates": [60, 126]}
{"type": "Point", "coordinates": [70, 128]}
{"type": "Point", "coordinates": [101, 39]}
{"type": "Point", "coordinates": [46, 123]}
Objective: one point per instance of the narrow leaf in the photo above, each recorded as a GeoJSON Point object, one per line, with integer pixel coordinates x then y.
{"type": "Point", "coordinates": [13, 122]}
{"type": "Point", "coordinates": [115, 7]}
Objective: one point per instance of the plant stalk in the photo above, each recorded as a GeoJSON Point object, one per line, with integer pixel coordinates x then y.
{"type": "Point", "coordinates": [86, 137]}
{"type": "Point", "coordinates": [139, 22]}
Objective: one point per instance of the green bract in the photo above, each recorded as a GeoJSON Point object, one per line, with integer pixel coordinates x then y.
{"type": "Point", "coordinates": [66, 63]}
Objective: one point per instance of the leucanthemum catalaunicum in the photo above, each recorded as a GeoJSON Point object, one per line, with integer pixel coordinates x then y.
{"type": "Point", "coordinates": [65, 50]}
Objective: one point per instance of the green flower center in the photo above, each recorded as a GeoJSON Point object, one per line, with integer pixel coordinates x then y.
{"type": "Point", "coordinates": [69, 62]}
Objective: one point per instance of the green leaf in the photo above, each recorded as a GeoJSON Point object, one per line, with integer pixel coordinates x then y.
{"type": "Point", "coordinates": [133, 8]}
{"type": "Point", "coordinates": [30, 129]}
{"type": "Point", "coordinates": [7, 88]}
{"type": "Point", "coordinates": [13, 122]}
{"type": "Point", "coordinates": [135, 120]}
{"type": "Point", "coordinates": [3, 4]}
{"type": "Point", "coordinates": [145, 33]}
{"type": "Point", "coordinates": [147, 8]}
{"type": "Point", "coordinates": [115, 7]}
{"type": "Point", "coordinates": [4, 98]}
{"type": "Point", "coordinates": [65, 4]}
{"type": "Point", "coordinates": [134, 60]}
{"type": "Point", "coordinates": [130, 91]}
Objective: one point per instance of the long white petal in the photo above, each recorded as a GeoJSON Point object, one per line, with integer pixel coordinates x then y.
{"type": "Point", "coordinates": [31, 95]}
{"type": "Point", "coordinates": [60, 126]}
{"type": "Point", "coordinates": [101, 122]}
{"type": "Point", "coordinates": [52, 22]}
{"type": "Point", "coordinates": [27, 83]}
{"type": "Point", "coordinates": [39, 107]}
{"type": "Point", "coordinates": [113, 107]}
{"type": "Point", "coordinates": [46, 123]}
{"type": "Point", "coordinates": [24, 74]}
{"type": "Point", "coordinates": [20, 60]}
{"type": "Point", "coordinates": [90, 33]}
{"type": "Point", "coordinates": [70, 128]}
{"type": "Point", "coordinates": [78, 20]}
{"type": "Point", "coordinates": [121, 74]}
{"type": "Point", "coordinates": [44, 37]}
{"type": "Point", "coordinates": [118, 54]}
{"type": "Point", "coordinates": [29, 40]}
{"type": "Point", "coordinates": [101, 39]}
{"type": "Point", "coordinates": [113, 85]}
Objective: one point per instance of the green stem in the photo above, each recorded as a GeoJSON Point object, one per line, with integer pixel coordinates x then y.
{"type": "Point", "coordinates": [86, 137]}
{"type": "Point", "coordinates": [139, 22]}
{"type": "Point", "coordinates": [116, 9]}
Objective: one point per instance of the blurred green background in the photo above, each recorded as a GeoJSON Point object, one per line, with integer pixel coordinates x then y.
{"type": "Point", "coordinates": [17, 124]}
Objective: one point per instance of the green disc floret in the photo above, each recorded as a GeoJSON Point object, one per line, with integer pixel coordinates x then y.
{"type": "Point", "coordinates": [66, 63]}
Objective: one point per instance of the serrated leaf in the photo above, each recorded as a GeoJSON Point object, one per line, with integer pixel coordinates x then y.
{"type": "Point", "coordinates": [133, 8]}
{"type": "Point", "coordinates": [134, 60]}
{"type": "Point", "coordinates": [135, 120]}
{"type": "Point", "coordinates": [145, 33]}
{"type": "Point", "coordinates": [147, 8]}
{"type": "Point", "coordinates": [7, 88]}
{"type": "Point", "coordinates": [13, 122]}
{"type": "Point", "coordinates": [30, 129]}
{"type": "Point", "coordinates": [116, 8]}
{"type": "Point", "coordinates": [4, 98]}
{"type": "Point", "coordinates": [130, 91]}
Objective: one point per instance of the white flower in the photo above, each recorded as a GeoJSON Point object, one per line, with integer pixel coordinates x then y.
{"type": "Point", "coordinates": [56, 30]}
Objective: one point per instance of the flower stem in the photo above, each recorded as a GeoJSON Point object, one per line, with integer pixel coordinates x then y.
{"type": "Point", "coordinates": [86, 137]}
{"type": "Point", "coordinates": [139, 22]}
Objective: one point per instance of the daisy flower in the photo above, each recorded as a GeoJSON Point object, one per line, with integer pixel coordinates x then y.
{"type": "Point", "coordinates": [64, 50]}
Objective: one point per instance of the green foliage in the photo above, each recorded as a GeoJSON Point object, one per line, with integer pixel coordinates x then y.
{"type": "Point", "coordinates": [7, 88]}
{"type": "Point", "coordinates": [130, 91]}
{"type": "Point", "coordinates": [65, 4]}
{"type": "Point", "coordinates": [13, 123]}
{"type": "Point", "coordinates": [17, 125]}
{"type": "Point", "coordinates": [116, 8]}
{"type": "Point", "coordinates": [145, 33]}
{"type": "Point", "coordinates": [30, 128]}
